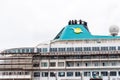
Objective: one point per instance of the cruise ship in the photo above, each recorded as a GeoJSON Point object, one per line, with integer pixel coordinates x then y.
{"type": "Point", "coordinates": [74, 54]}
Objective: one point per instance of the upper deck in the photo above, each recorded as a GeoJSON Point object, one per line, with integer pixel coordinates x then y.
{"type": "Point", "coordinates": [74, 37]}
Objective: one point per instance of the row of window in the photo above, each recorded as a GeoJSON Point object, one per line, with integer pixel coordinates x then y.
{"type": "Point", "coordinates": [15, 73]}
{"type": "Point", "coordinates": [76, 74]}
{"type": "Point", "coordinates": [76, 64]}
{"type": "Point", "coordinates": [62, 74]}
{"type": "Point", "coordinates": [105, 48]}
{"type": "Point", "coordinates": [31, 50]}
{"type": "Point", "coordinates": [20, 50]}
{"type": "Point", "coordinates": [103, 56]}
{"type": "Point", "coordinates": [51, 64]}
{"type": "Point", "coordinates": [53, 74]}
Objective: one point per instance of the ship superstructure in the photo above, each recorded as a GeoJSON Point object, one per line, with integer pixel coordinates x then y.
{"type": "Point", "coordinates": [74, 54]}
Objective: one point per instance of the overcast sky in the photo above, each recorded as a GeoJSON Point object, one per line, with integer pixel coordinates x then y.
{"type": "Point", "coordinates": [29, 22]}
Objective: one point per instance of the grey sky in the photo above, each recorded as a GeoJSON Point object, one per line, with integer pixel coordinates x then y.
{"type": "Point", "coordinates": [30, 22]}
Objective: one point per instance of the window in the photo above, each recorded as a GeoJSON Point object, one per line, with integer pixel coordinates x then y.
{"type": "Point", "coordinates": [15, 73]}
{"type": "Point", "coordinates": [19, 73]}
{"type": "Point", "coordinates": [26, 73]}
{"type": "Point", "coordinates": [70, 49]}
{"type": "Point", "coordinates": [44, 49]}
{"type": "Point", "coordinates": [36, 65]}
{"type": "Point", "coordinates": [31, 50]}
{"type": "Point", "coordinates": [44, 74]}
{"type": "Point", "coordinates": [113, 56]}
{"type": "Point", "coordinates": [112, 48]}
{"type": "Point", "coordinates": [38, 49]}
{"type": "Point", "coordinates": [104, 64]}
{"type": "Point", "coordinates": [104, 48]}
{"type": "Point", "coordinates": [86, 74]}
{"type": "Point", "coordinates": [96, 63]}
{"type": "Point", "coordinates": [10, 73]}
{"type": "Point", "coordinates": [87, 64]}
{"type": "Point", "coordinates": [20, 50]}
{"type": "Point", "coordinates": [95, 48]}
{"type": "Point", "coordinates": [61, 74]}
{"type": "Point", "coordinates": [53, 49]}
{"type": "Point", "coordinates": [77, 74]}
{"type": "Point", "coordinates": [69, 64]}
{"type": "Point", "coordinates": [52, 64]}
{"type": "Point", "coordinates": [4, 73]}
{"type": "Point", "coordinates": [87, 48]}
{"type": "Point", "coordinates": [86, 57]}
{"type": "Point", "coordinates": [119, 73]}
{"type": "Point", "coordinates": [36, 74]}
{"type": "Point", "coordinates": [12, 51]}
{"type": "Point", "coordinates": [78, 49]}
{"type": "Point", "coordinates": [52, 74]}
{"type": "Point", "coordinates": [44, 64]}
{"type": "Point", "coordinates": [113, 63]}
{"type": "Point", "coordinates": [16, 50]}
{"type": "Point", "coordinates": [104, 73]}
{"type": "Point", "coordinates": [94, 74]}
{"type": "Point", "coordinates": [61, 64]}
{"type": "Point", "coordinates": [26, 50]}
{"type": "Point", "coordinates": [78, 64]}
{"type": "Point", "coordinates": [113, 73]}
{"type": "Point", "coordinates": [104, 56]}
{"type": "Point", "coordinates": [53, 57]}
{"type": "Point", "coordinates": [118, 47]}
{"type": "Point", "coordinates": [22, 73]}
{"type": "Point", "coordinates": [23, 50]}
{"type": "Point", "coordinates": [69, 74]}
{"type": "Point", "coordinates": [61, 49]}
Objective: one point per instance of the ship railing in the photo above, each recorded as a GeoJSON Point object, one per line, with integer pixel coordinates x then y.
{"type": "Point", "coordinates": [81, 53]}
{"type": "Point", "coordinates": [12, 77]}
{"type": "Point", "coordinates": [71, 52]}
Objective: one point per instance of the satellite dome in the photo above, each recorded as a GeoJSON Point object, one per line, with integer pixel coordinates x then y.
{"type": "Point", "coordinates": [114, 30]}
